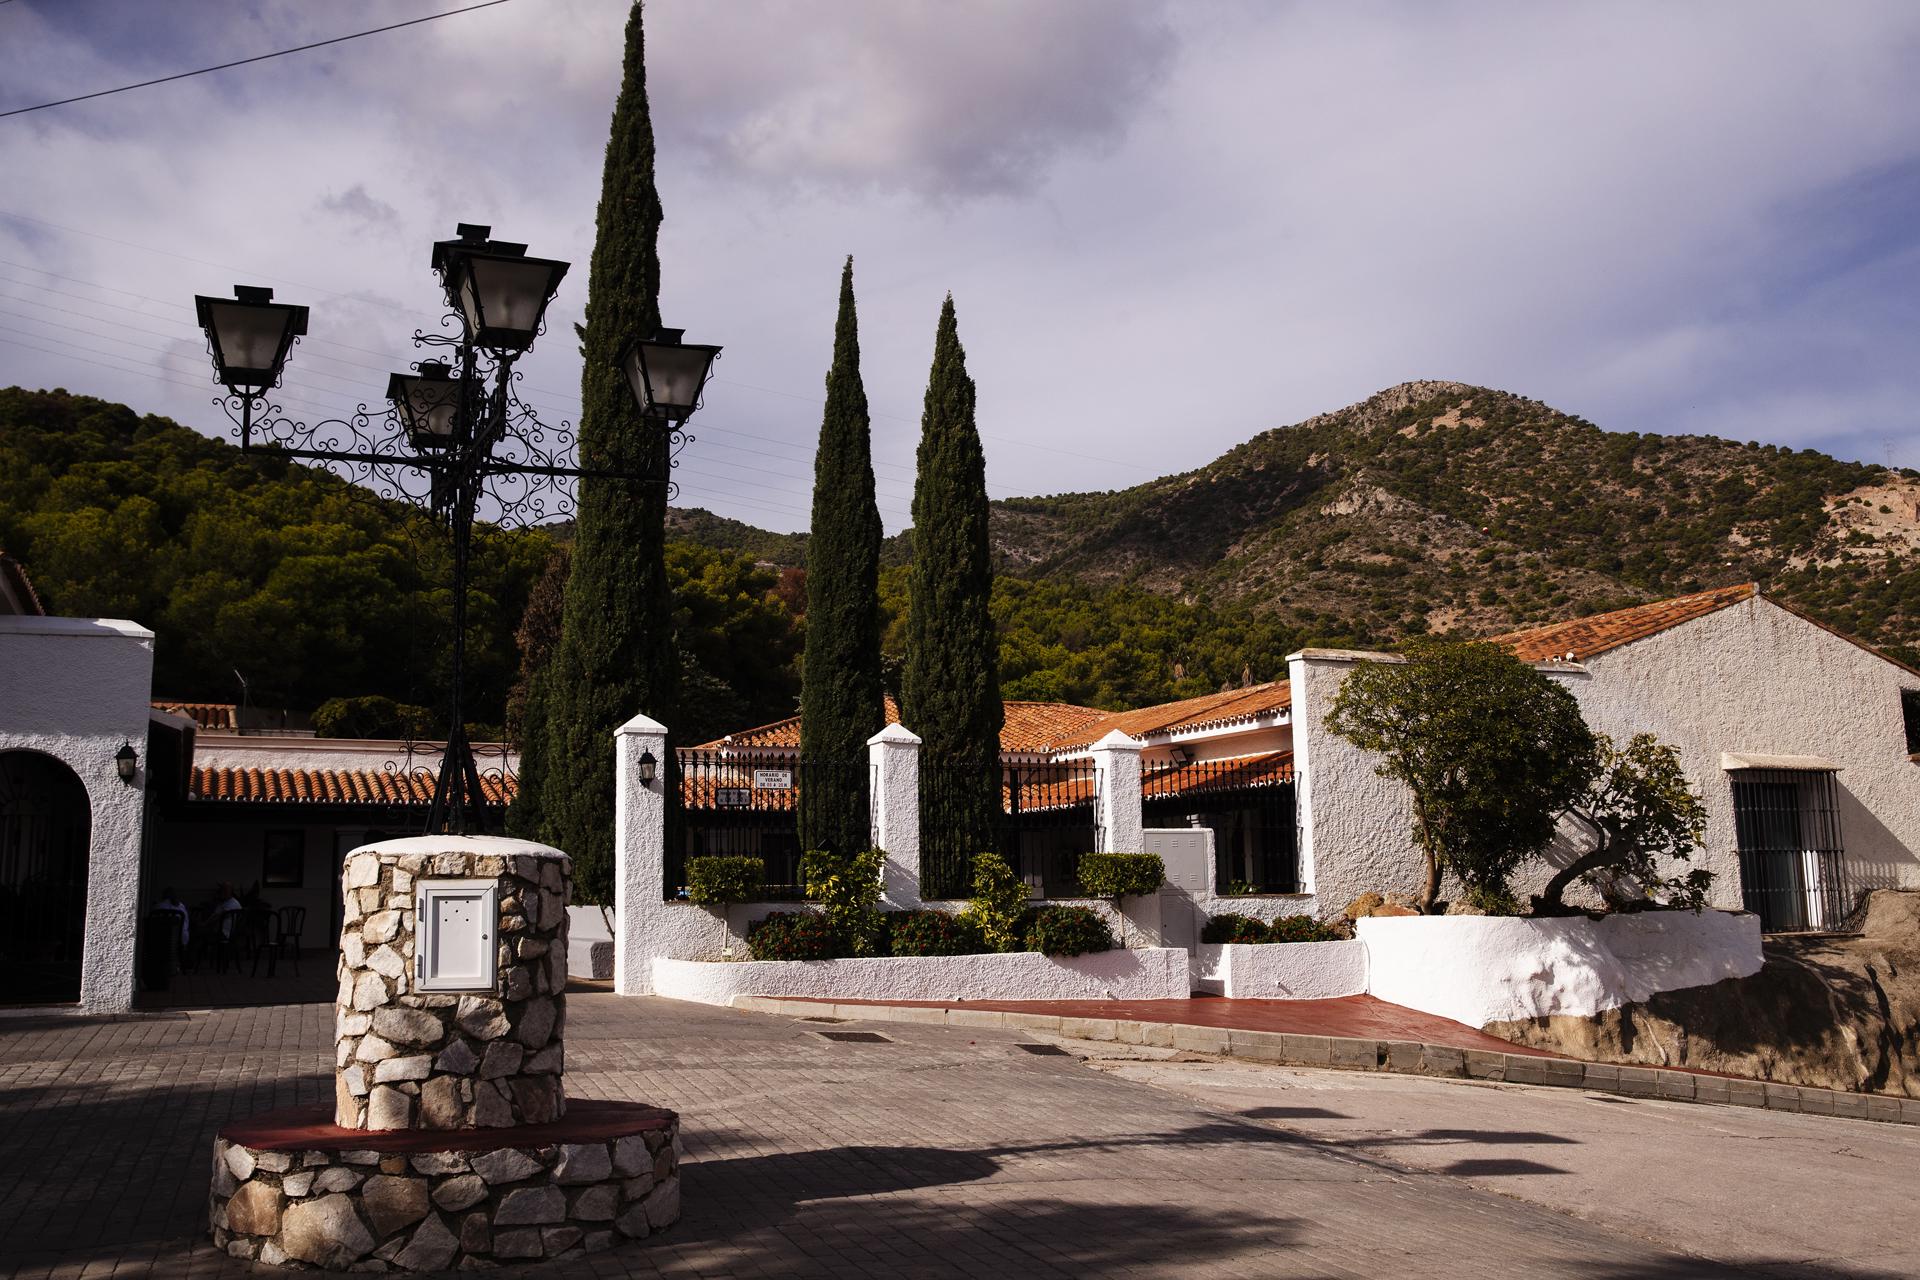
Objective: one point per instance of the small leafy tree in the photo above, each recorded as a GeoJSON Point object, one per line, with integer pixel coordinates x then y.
{"type": "Point", "coordinates": [1638, 810]}
{"type": "Point", "coordinates": [717, 882]}
{"type": "Point", "coordinates": [847, 887]}
{"type": "Point", "coordinates": [1121, 875]}
{"type": "Point", "coordinates": [1492, 751]}
{"type": "Point", "coordinates": [1000, 899]}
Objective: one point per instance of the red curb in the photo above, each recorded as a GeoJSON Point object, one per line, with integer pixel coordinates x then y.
{"type": "Point", "coordinates": [311, 1128]}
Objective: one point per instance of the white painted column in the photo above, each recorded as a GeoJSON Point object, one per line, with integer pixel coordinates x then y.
{"type": "Point", "coordinates": [1306, 727]}
{"type": "Point", "coordinates": [639, 850]}
{"type": "Point", "coordinates": [893, 758]}
{"type": "Point", "coordinates": [1116, 771]}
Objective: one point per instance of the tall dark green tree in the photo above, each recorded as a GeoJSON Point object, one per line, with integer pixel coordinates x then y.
{"type": "Point", "coordinates": [842, 698]}
{"type": "Point", "coordinates": [950, 687]}
{"type": "Point", "coordinates": [616, 655]}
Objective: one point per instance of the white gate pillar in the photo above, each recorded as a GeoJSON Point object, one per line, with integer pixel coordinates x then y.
{"type": "Point", "coordinates": [893, 758]}
{"type": "Point", "coordinates": [639, 849]}
{"type": "Point", "coordinates": [1116, 774]}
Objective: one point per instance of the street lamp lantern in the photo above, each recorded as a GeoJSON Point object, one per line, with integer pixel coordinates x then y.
{"type": "Point", "coordinates": [428, 403]}
{"type": "Point", "coordinates": [457, 435]}
{"type": "Point", "coordinates": [667, 375]}
{"type": "Point", "coordinates": [496, 287]}
{"type": "Point", "coordinates": [249, 335]}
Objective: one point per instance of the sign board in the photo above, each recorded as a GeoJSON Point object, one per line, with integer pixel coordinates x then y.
{"type": "Point", "coordinates": [773, 779]}
{"type": "Point", "coordinates": [732, 798]}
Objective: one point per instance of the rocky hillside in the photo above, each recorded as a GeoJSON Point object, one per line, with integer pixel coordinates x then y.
{"type": "Point", "coordinates": [1436, 506]}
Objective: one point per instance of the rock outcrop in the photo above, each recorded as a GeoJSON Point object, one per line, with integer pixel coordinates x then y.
{"type": "Point", "coordinates": [1831, 1011]}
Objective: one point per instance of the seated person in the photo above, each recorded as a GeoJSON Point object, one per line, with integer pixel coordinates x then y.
{"type": "Point", "coordinates": [171, 902]}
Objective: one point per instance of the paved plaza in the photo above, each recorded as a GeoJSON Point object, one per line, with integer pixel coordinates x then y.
{"type": "Point", "coordinates": [946, 1152]}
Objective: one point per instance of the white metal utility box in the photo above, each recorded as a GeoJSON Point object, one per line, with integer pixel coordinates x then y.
{"type": "Point", "coordinates": [454, 941]}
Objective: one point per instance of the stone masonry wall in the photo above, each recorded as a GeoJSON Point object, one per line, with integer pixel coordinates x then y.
{"type": "Point", "coordinates": [432, 1211]}
{"type": "Point", "coordinates": [446, 1060]}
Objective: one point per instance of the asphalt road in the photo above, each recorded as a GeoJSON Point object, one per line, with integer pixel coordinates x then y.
{"type": "Point", "coordinates": [944, 1152]}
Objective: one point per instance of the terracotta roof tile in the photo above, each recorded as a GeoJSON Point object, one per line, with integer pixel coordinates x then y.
{"type": "Point", "coordinates": [329, 786]}
{"type": "Point", "coordinates": [1585, 637]}
{"type": "Point", "coordinates": [1197, 777]}
{"type": "Point", "coordinates": [1030, 727]}
{"type": "Point", "coordinates": [21, 586]}
{"type": "Point", "coordinates": [219, 717]}
{"type": "Point", "coordinates": [1189, 713]}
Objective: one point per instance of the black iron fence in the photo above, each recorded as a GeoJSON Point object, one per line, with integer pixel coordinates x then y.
{"type": "Point", "coordinates": [1247, 802]}
{"type": "Point", "coordinates": [1793, 871]}
{"type": "Point", "coordinates": [1047, 822]}
{"type": "Point", "coordinates": [1039, 817]}
{"type": "Point", "coordinates": [44, 823]}
{"type": "Point", "coordinates": [747, 804]}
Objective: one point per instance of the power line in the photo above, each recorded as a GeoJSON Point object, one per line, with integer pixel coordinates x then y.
{"type": "Point", "coordinates": [241, 62]}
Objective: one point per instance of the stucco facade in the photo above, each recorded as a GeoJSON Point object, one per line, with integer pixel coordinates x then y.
{"type": "Point", "coordinates": [1750, 678]}
{"type": "Point", "coordinates": [76, 689]}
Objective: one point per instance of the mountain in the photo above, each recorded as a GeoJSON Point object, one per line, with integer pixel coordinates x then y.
{"type": "Point", "coordinates": [1439, 506]}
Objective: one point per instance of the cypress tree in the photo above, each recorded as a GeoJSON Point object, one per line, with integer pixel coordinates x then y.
{"type": "Point", "coordinates": [842, 698]}
{"type": "Point", "coordinates": [950, 688]}
{"type": "Point", "coordinates": [616, 656]}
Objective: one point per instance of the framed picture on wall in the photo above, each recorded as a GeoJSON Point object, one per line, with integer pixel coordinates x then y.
{"type": "Point", "coordinates": [285, 859]}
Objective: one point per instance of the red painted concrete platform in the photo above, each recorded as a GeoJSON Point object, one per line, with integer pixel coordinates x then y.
{"type": "Point", "coordinates": [1353, 1017]}
{"type": "Point", "coordinates": [311, 1128]}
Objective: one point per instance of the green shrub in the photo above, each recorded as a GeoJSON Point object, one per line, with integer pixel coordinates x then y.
{"type": "Point", "coordinates": [1232, 927]}
{"type": "Point", "coordinates": [933, 933]}
{"type": "Point", "coordinates": [1299, 929]}
{"type": "Point", "coordinates": [847, 887]}
{"type": "Point", "coordinates": [716, 881]}
{"type": "Point", "coordinates": [1000, 898]}
{"type": "Point", "coordinates": [795, 935]}
{"type": "Point", "coordinates": [1068, 931]}
{"type": "Point", "coordinates": [1238, 928]}
{"type": "Point", "coordinates": [1121, 875]}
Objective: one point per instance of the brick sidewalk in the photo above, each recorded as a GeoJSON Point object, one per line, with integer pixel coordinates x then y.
{"type": "Point", "coordinates": [935, 1152]}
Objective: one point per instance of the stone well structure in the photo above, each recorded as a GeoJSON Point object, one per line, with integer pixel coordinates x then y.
{"type": "Point", "coordinates": [440, 1059]}
{"type": "Point", "coordinates": [450, 1141]}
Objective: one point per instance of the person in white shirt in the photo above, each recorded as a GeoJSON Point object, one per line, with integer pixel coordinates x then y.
{"type": "Point", "coordinates": [169, 902]}
{"type": "Point", "coordinates": [227, 902]}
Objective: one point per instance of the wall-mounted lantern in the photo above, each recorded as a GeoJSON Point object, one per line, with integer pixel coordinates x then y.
{"type": "Point", "coordinates": [645, 767]}
{"type": "Point", "coordinates": [125, 762]}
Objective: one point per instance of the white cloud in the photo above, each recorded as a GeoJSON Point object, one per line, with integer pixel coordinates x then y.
{"type": "Point", "coordinates": [1165, 229]}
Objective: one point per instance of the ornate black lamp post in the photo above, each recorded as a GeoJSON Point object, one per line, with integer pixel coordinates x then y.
{"type": "Point", "coordinates": [456, 435]}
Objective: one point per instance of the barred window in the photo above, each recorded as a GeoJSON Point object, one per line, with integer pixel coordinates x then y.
{"type": "Point", "coordinates": [1910, 712]}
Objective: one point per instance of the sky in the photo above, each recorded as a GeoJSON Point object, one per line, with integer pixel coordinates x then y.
{"type": "Point", "coordinates": [1166, 227]}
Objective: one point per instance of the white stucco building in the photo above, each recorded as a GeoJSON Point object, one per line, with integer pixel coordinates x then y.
{"type": "Point", "coordinates": [1799, 741]}
{"type": "Point", "coordinates": [73, 699]}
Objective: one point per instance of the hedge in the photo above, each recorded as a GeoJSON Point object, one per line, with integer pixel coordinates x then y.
{"type": "Point", "coordinates": [1231, 927]}
{"type": "Point", "coordinates": [795, 935]}
{"type": "Point", "coordinates": [1067, 931]}
{"type": "Point", "coordinates": [1121, 875]}
{"type": "Point", "coordinates": [933, 933]}
{"type": "Point", "coordinates": [716, 880]}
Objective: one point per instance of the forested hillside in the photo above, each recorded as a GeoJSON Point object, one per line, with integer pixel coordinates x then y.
{"type": "Point", "coordinates": [1431, 506]}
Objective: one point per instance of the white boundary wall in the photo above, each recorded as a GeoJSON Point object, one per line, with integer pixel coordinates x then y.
{"type": "Point", "coordinates": [1157, 973]}
{"type": "Point", "coordinates": [1281, 970]}
{"type": "Point", "coordinates": [1481, 969]}
{"type": "Point", "coordinates": [77, 689]}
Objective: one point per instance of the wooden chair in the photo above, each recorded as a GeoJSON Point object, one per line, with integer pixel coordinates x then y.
{"type": "Point", "coordinates": [291, 922]}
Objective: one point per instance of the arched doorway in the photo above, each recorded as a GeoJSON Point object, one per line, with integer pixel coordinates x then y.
{"type": "Point", "coordinates": [45, 822]}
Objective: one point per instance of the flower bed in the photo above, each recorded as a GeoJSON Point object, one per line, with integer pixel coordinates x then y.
{"type": "Point", "coordinates": [1281, 970]}
{"type": "Point", "coordinates": [1155, 973]}
{"type": "Point", "coordinates": [1482, 969]}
